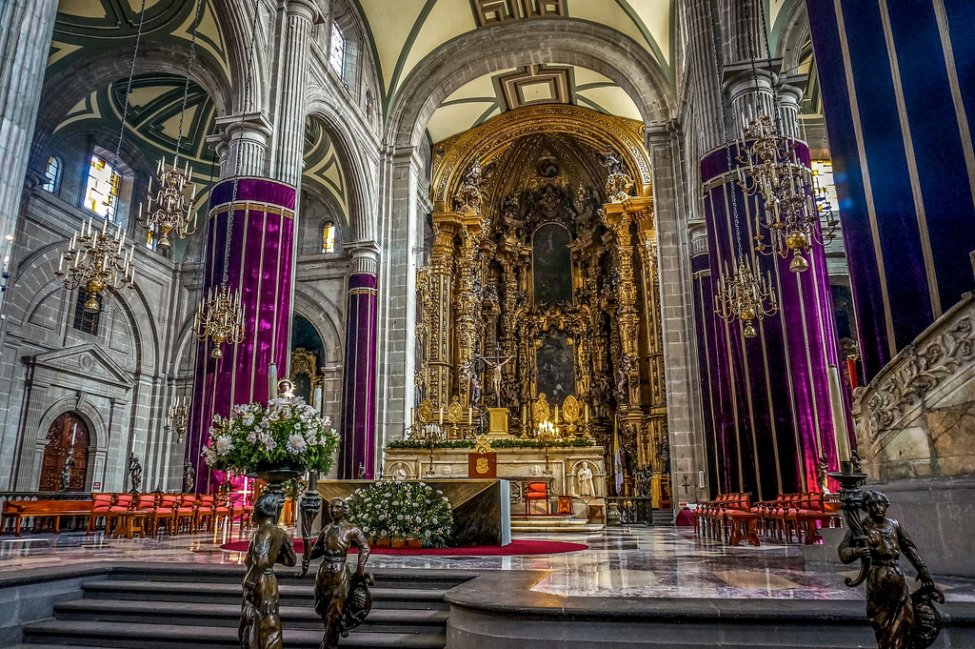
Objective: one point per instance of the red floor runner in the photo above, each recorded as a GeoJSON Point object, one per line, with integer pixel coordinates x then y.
{"type": "Point", "coordinates": [514, 548]}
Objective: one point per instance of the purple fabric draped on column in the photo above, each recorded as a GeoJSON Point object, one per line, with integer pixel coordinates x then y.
{"type": "Point", "coordinates": [261, 266]}
{"type": "Point", "coordinates": [357, 454]}
{"type": "Point", "coordinates": [769, 396]}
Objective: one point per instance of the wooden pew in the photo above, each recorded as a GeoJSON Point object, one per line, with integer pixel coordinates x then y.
{"type": "Point", "coordinates": [18, 510]}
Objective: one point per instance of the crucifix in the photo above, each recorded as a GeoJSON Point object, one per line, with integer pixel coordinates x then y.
{"type": "Point", "coordinates": [496, 374]}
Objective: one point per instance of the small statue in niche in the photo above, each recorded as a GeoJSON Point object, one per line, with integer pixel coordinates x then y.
{"type": "Point", "coordinates": [584, 485]}
{"type": "Point", "coordinates": [189, 478]}
{"type": "Point", "coordinates": [900, 619]}
{"type": "Point", "coordinates": [342, 599]}
{"type": "Point", "coordinates": [66, 470]}
{"type": "Point", "coordinates": [618, 182]}
{"type": "Point", "coordinates": [822, 468]}
{"type": "Point", "coordinates": [468, 198]}
{"type": "Point", "coordinates": [547, 168]}
{"type": "Point", "coordinates": [135, 472]}
{"type": "Point", "coordinates": [260, 621]}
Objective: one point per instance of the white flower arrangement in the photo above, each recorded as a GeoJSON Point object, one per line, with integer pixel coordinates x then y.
{"type": "Point", "coordinates": [285, 431]}
{"type": "Point", "coordinates": [407, 510]}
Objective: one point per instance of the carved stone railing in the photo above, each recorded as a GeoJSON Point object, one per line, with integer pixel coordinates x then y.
{"type": "Point", "coordinates": [915, 418]}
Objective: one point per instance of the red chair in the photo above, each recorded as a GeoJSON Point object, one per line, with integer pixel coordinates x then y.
{"type": "Point", "coordinates": [100, 504]}
{"type": "Point", "coordinates": [186, 512]}
{"type": "Point", "coordinates": [166, 512]}
{"type": "Point", "coordinates": [537, 491]}
{"type": "Point", "coordinates": [123, 503]}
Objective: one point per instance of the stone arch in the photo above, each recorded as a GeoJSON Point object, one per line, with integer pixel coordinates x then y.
{"type": "Point", "coordinates": [97, 430]}
{"type": "Point", "coordinates": [335, 215]}
{"type": "Point", "coordinates": [317, 309]}
{"type": "Point", "coordinates": [517, 44]}
{"type": "Point", "coordinates": [351, 155]}
{"type": "Point", "coordinates": [64, 90]}
{"type": "Point", "coordinates": [793, 35]}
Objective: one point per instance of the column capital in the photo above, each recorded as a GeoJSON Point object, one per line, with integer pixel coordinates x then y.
{"type": "Point", "coordinates": [254, 127]}
{"type": "Point", "coordinates": [789, 89]}
{"type": "Point", "coordinates": [747, 76]}
{"type": "Point", "coordinates": [365, 256]}
{"type": "Point", "coordinates": [307, 9]}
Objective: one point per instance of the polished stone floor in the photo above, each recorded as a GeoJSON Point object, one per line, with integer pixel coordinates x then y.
{"type": "Point", "coordinates": [629, 562]}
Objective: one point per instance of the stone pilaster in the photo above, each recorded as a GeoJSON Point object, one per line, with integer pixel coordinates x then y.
{"type": "Point", "coordinates": [26, 27]}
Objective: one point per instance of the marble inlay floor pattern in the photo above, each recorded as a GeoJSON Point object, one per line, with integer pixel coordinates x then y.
{"type": "Point", "coordinates": [629, 562]}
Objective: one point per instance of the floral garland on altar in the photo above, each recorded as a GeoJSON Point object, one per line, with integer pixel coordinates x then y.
{"type": "Point", "coordinates": [286, 431]}
{"type": "Point", "coordinates": [406, 510]}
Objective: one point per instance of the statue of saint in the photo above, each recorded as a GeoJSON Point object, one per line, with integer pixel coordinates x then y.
{"type": "Point", "coordinates": [260, 622]}
{"type": "Point", "coordinates": [584, 485]}
{"type": "Point", "coordinates": [135, 472]}
{"type": "Point", "coordinates": [890, 608]}
{"type": "Point", "coordinates": [342, 599]}
{"type": "Point", "coordinates": [189, 478]}
{"type": "Point", "coordinates": [66, 470]}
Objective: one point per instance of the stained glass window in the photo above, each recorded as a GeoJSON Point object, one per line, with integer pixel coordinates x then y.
{"type": "Point", "coordinates": [101, 194]}
{"type": "Point", "coordinates": [328, 237]}
{"type": "Point", "coordinates": [52, 172]}
{"type": "Point", "coordinates": [336, 52]}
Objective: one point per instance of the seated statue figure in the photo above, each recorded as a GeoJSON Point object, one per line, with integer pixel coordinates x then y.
{"type": "Point", "coordinates": [260, 622]}
{"type": "Point", "coordinates": [342, 599]}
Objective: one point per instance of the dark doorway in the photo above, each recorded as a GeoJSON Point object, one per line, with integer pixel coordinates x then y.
{"type": "Point", "coordinates": [67, 437]}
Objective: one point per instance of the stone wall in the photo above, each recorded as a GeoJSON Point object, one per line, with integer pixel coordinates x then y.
{"type": "Point", "coordinates": [915, 418]}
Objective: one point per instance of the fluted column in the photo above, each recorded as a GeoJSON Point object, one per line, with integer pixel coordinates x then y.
{"type": "Point", "coordinates": [289, 148]}
{"type": "Point", "coordinates": [357, 454]}
{"type": "Point", "coordinates": [26, 27]}
{"type": "Point", "coordinates": [241, 144]}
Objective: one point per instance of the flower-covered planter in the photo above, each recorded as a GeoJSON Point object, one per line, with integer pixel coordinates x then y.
{"type": "Point", "coordinates": [273, 442]}
{"type": "Point", "coordinates": [402, 510]}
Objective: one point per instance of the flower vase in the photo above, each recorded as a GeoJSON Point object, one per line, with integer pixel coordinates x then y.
{"type": "Point", "coordinates": [414, 544]}
{"type": "Point", "coordinates": [397, 542]}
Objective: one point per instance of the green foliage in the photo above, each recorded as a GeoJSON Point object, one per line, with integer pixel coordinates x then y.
{"type": "Point", "coordinates": [286, 431]}
{"type": "Point", "coordinates": [408, 510]}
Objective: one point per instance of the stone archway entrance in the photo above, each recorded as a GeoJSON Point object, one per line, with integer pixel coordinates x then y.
{"type": "Point", "coordinates": [67, 437]}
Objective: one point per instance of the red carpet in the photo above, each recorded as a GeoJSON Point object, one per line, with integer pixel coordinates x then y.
{"type": "Point", "coordinates": [514, 548]}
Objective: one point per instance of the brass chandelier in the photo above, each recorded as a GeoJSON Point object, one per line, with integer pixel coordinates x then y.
{"type": "Point", "coordinates": [220, 319]}
{"type": "Point", "coordinates": [178, 416]}
{"type": "Point", "coordinates": [170, 210]}
{"type": "Point", "coordinates": [743, 294]}
{"type": "Point", "coordinates": [772, 169]}
{"type": "Point", "coordinates": [96, 259]}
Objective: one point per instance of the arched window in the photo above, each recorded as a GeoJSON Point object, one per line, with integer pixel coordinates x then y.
{"type": "Point", "coordinates": [101, 192]}
{"type": "Point", "coordinates": [328, 237]}
{"type": "Point", "coordinates": [52, 172]}
{"type": "Point", "coordinates": [336, 50]}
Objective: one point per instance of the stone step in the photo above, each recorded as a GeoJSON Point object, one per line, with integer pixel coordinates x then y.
{"type": "Point", "coordinates": [387, 577]}
{"type": "Point", "coordinates": [297, 617]}
{"type": "Point", "coordinates": [84, 633]}
{"type": "Point", "coordinates": [230, 592]}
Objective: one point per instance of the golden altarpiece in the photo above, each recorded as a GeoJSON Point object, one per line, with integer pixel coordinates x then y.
{"type": "Point", "coordinates": [538, 309]}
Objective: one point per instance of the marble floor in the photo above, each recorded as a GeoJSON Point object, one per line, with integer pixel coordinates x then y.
{"type": "Point", "coordinates": [627, 562]}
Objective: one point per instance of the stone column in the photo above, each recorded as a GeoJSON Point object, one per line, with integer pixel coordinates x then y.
{"type": "Point", "coordinates": [357, 454]}
{"type": "Point", "coordinates": [261, 268]}
{"type": "Point", "coordinates": [26, 27]}
{"type": "Point", "coordinates": [289, 149]}
{"type": "Point", "coordinates": [769, 396]}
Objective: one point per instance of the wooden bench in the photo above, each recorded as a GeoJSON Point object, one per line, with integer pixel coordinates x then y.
{"type": "Point", "coordinates": [18, 510]}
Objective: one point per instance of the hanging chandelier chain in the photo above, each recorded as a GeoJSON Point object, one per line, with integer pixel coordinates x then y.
{"type": "Point", "coordinates": [194, 26]}
{"type": "Point", "coordinates": [240, 137]}
{"type": "Point", "coordinates": [715, 45]}
{"type": "Point", "coordinates": [763, 24]}
{"type": "Point", "coordinates": [128, 86]}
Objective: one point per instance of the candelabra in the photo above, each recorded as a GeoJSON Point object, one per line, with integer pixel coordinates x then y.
{"type": "Point", "coordinates": [773, 170]}
{"type": "Point", "coordinates": [745, 295]}
{"type": "Point", "coordinates": [221, 319]}
{"type": "Point", "coordinates": [170, 210]}
{"type": "Point", "coordinates": [95, 259]}
{"type": "Point", "coordinates": [178, 416]}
